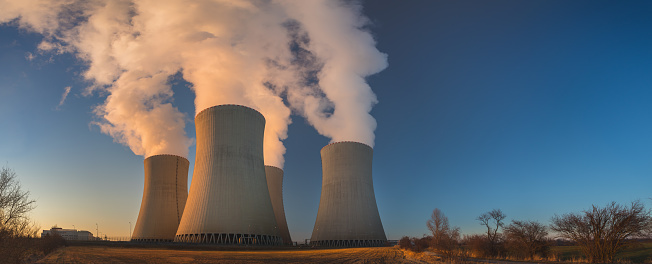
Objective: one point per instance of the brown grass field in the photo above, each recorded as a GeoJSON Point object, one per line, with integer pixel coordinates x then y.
{"type": "Point", "coordinates": [110, 253]}
{"type": "Point", "coordinates": [107, 254]}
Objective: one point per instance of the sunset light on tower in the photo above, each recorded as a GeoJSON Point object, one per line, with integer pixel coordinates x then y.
{"type": "Point", "coordinates": [164, 198]}
{"type": "Point", "coordinates": [348, 214]}
{"type": "Point", "coordinates": [228, 201]}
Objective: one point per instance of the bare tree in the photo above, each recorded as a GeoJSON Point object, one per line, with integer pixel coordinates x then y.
{"type": "Point", "coordinates": [493, 220]}
{"type": "Point", "coordinates": [14, 206]}
{"type": "Point", "coordinates": [445, 240]}
{"type": "Point", "coordinates": [602, 232]}
{"type": "Point", "coordinates": [527, 238]}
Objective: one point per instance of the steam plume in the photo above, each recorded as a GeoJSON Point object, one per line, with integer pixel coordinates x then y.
{"type": "Point", "coordinates": [338, 105]}
{"type": "Point", "coordinates": [312, 54]}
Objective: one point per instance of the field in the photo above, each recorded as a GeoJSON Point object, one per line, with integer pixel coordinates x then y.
{"type": "Point", "coordinates": [640, 253]}
{"type": "Point", "coordinates": [130, 254]}
{"type": "Point", "coordinates": [634, 253]}
{"type": "Point", "coordinates": [108, 254]}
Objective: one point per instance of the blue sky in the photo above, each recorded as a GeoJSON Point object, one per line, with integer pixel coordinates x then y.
{"type": "Point", "coordinates": [534, 107]}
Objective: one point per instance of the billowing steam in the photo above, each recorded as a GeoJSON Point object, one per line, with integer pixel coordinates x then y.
{"type": "Point", "coordinates": [311, 55]}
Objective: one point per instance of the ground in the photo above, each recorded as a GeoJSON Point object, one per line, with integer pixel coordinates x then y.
{"type": "Point", "coordinates": [105, 254]}
{"type": "Point", "coordinates": [112, 253]}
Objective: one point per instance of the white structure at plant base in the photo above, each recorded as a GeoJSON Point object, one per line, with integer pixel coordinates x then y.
{"type": "Point", "coordinates": [164, 198]}
{"type": "Point", "coordinates": [228, 201]}
{"type": "Point", "coordinates": [275, 186]}
{"type": "Point", "coordinates": [348, 215]}
{"type": "Point", "coordinates": [69, 234]}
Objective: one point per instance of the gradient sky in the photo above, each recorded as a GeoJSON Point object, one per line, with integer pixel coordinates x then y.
{"type": "Point", "coordinates": [534, 107]}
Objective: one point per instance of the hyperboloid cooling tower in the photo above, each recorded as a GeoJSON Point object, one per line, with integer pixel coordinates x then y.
{"type": "Point", "coordinates": [164, 197]}
{"type": "Point", "coordinates": [229, 202]}
{"type": "Point", "coordinates": [348, 214]}
{"type": "Point", "coordinates": [275, 186]}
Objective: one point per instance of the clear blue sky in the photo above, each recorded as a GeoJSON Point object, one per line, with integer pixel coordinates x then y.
{"type": "Point", "coordinates": [533, 107]}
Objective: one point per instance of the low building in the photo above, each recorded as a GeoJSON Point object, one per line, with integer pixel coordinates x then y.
{"type": "Point", "coordinates": [69, 234]}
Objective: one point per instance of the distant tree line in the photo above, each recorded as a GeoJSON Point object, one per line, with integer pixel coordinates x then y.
{"type": "Point", "coordinates": [600, 233]}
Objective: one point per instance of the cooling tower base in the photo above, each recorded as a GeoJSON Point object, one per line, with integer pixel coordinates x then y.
{"type": "Point", "coordinates": [348, 243]}
{"type": "Point", "coordinates": [152, 240]}
{"type": "Point", "coordinates": [230, 239]}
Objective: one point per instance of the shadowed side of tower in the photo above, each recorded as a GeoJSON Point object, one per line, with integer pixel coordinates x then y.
{"type": "Point", "coordinates": [348, 215]}
{"type": "Point", "coordinates": [275, 186]}
{"type": "Point", "coordinates": [164, 198]}
{"type": "Point", "coordinates": [229, 202]}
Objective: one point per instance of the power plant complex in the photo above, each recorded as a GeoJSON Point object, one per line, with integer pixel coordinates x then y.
{"type": "Point", "coordinates": [235, 199]}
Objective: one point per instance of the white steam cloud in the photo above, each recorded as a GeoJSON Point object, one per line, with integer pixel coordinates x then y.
{"type": "Point", "coordinates": [311, 55]}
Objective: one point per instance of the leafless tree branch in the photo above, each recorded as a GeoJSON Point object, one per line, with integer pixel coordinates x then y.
{"type": "Point", "coordinates": [15, 204]}
{"type": "Point", "coordinates": [602, 231]}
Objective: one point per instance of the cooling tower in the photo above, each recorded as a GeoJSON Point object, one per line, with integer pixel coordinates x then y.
{"type": "Point", "coordinates": [229, 202]}
{"type": "Point", "coordinates": [164, 197]}
{"type": "Point", "coordinates": [348, 214]}
{"type": "Point", "coordinates": [275, 186]}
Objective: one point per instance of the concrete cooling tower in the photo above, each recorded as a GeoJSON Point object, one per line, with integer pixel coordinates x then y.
{"type": "Point", "coordinates": [164, 198]}
{"type": "Point", "coordinates": [275, 186]}
{"type": "Point", "coordinates": [348, 214]}
{"type": "Point", "coordinates": [229, 202]}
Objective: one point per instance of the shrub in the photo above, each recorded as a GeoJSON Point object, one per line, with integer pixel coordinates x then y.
{"type": "Point", "coordinates": [478, 245]}
{"type": "Point", "coordinates": [527, 239]}
{"type": "Point", "coordinates": [421, 244]}
{"type": "Point", "coordinates": [603, 231]}
{"type": "Point", "coordinates": [405, 243]}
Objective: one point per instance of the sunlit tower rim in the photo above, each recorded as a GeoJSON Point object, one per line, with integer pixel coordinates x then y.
{"type": "Point", "coordinates": [348, 215]}
{"type": "Point", "coordinates": [275, 186]}
{"type": "Point", "coordinates": [229, 202]}
{"type": "Point", "coordinates": [164, 198]}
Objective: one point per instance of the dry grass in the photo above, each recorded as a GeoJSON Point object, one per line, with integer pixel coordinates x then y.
{"type": "Point", "coordinates": [422, 257]}
{"type": "Point", "coordinates": [105, 254]}
{"type": "Point", "coordinates": [636, 253]}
